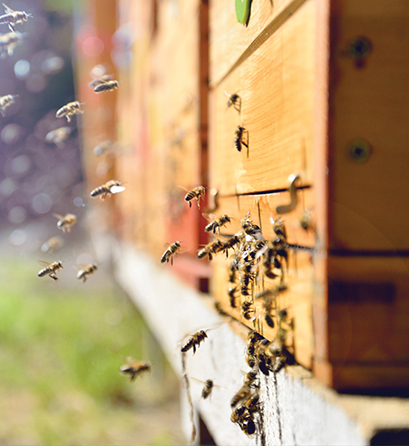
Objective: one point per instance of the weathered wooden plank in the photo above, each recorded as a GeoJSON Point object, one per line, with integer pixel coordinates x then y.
{"type": "Point", "coordinates": [277, 89]}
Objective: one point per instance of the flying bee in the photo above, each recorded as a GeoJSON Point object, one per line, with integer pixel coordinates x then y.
{"type": "Point", "coordinates": [210, 249]}
{"type": "Point", "coordinates": [170, 252]}
{"type": "Point", "coordinates": [233, 99]}
{"type": "Point", "coordinates": [106, 86]}
{"type": "Point", "coordinates": [207, 389]}
{"type": "Point", "coordinates": [215, 225]}
{"type": "Point", "coordinates": [70, 109]}
{"type": "Point", "coordinates": [247, 310]}
{"type": "Point", "coordinates": [306, 222]}
{"type": "Point", "coordinates": [194, 341]}
{"type": "Point", "coordinates": [111, 187]}
{"type": "Point", "coordinates": [101, 80]}
{"type": "Point", "coordinates": [65, 223]}
{"type": "Point", "coordinates": [238, 138]}
{"type": "Point", "coordinates": [8, 42]}
{"type": "Point", "coordinates": [196, 193]}
{"type": "Point", "coordinates": [279, 228]}
{"type": "Point", "coordinates": [50, 269]}
{"type": "Point", "coordinates": [13, 17]}
{"type": "Point", "coordinates": [231, 242]}
{"type": "Point", "coordinates": [52, 244]}
{"type": "Point", "coordinates": [86, 271]}
{"type": "Point", "coordinates": [242, 394]}
{"type": "Point", "coordinates": [103, 147]}
{"type": "Point", "coordinates": [58, 136]}
{"type": "Point", "coordinates": [99, 74]}
{"type": "Point", "coordinates": [6, 101]}
{"type": "Point", "coordinates": [135, 368]}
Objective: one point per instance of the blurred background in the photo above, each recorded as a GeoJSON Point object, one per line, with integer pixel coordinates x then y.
{"type": "Point", "coordinates": [62, 343]}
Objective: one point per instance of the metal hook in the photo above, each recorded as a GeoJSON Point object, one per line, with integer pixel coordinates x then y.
{"type": "Point", "coordinates": [284, 209]}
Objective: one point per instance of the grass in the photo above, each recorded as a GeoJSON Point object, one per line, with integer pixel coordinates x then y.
{"type": "Point", "coordinates": [60, 351]}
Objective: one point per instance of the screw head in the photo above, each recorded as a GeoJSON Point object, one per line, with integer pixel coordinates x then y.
{"type": "Point", "coordinates": [359, 150]}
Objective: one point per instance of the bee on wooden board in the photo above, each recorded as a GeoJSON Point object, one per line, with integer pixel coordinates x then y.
{"type": "Point", "coordinates": [104, 191]}
{"type": "Point", "coordinates": [6, 101]}
{"type": "Point", "coordinates": [233, 99]}
{"type": "Point", "coordinates": [238, 138]}
{"type": "Point", "coordinates": [194, 341]}
{"type": "Point", "coordinates": [65, 223]}
{"type": "Point", "coordinates": [247, 310]}
{"type": "Point", "coordinates": [85, 271]}
{"type": "Point", "coordinates": [58, 136]}
{"type": "Point", "coordinates": [210, 249]}
{"type": "Point", "coordinates": [52, 244]}
{"type": "Point", "coordinates": [8, 42]}
{"type": "Point", "coordinates": [106, 86]}
{"type": "Point", "coordinates": [215, 225]}
{"type": "Point", "coordinates": [170, 252]}
{"type": "Point", "coordinates": [135, 368]}
{"type": "Point", "coordinates": [233, 295]}
{"type": "Point", "coordinates": [50, 269]}
{"type": "Point", "coordinates": [70, 109]}
{"type": "Point", "coordinates": [196, 193]}
{"type": "Point", "coordinates": [13, 17]}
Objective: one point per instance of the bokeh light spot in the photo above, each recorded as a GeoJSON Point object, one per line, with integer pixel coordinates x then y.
{"type": "Point", "coordinates": [20, 164]}
{"type": "Point", "coordinates": [36, 83]}
{"type": "Point", "coordinates": [18, 237]}
{"type": "Point", "coordinates": [17, 215]}
{"type": "Point", "coordinates": [7, 187]}
{"type": "Point", "coordinates": [78, 201]}
{"type": "Point", "coordinates": [93, 46]}
{"type": "Point", "coordinates": [10, 133]}
{"type": "Point", "coordinates": [42, 203]}
{"type": "Point", "coordinates": [113, 316]}
{"type": "Point", "coordinates": [52, 65]}
{"type": "Point", "coordinates": [22, 68]}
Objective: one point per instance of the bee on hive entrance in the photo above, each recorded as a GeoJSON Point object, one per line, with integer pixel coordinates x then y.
{"type": "Point", "coordinates": [111, 187]}
{"type": "Point", "coordinates": [210, 249]}
{"type": "Point", "coordinates": [106, 86]}
{"type": "Point", "coordinates": [85, 271]}
{"type": "Point", "coordinates": [238, 138]}
{"type": "Point", "coordinates": [194, 341]}
{"type": "Point", "coordinates": [65, 223]}
{"type": "Point", "coordinates": [50, 269]}
{"type": "Point", "coordinates": [13, 17]}
{"type": "Point", "coordinates": [135, 368]}
{"type": "Point", "coordinates": [196, 193]}
{"type": "Point", "coordinates": [70, 109]}
{"type": "Point", "coordinates": [233, 99]}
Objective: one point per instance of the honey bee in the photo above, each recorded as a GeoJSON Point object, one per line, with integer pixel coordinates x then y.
{"type": "Point", "coordinates": [58, 136]}
{"type": "Point", "coordinates": [210, 249]}
{"type": "Point", "coordinates": [8, 42]}
{"type": "Point", "coordinates": [249, 228]}
{"type": "Point", "coordinates": [247, 310]}
{"type": "Point", "coordinates": [207, 389]}
{"type": "Point", "coordinates": [70, 109]}
{"type": "Point", "coordinates": [13, 17]}
{"type": "Point", "coordinates": [103, 147]}
{"type": "Point", "coordinates": [242, 394]}
{"type": "Point", "coordinates": [50, 269]}
{"type": "Point", "coordinates": [215, 225]}
{"type": "Point", "coordinates": [238, 138]}
{"type": "Point", "coordinates": [233, 296]}
{"type": "Point", "coordinates": [52, 244]}
{"type": "Point", "coordinates": [251, 378]}
{"type": "Point", "coordinates": [280, 229]}
{"type": "Point", "coordinates": [111, 187]}
{"type": "Point", "coordinates": [170, 252]}
{"type": "Point", "coordinates": [249, 427]}
{"type": "Point", "coordinates": [104, 87]}
{"type": "Point", "coordinates": [135, 368]}
{"type": "Point", "coordinates": [196, 193]}
{"type": "Point", "coordinates": [194, 341]}
{"type": "Point", "coordinates": [86, 271]}
{"type": "Point", "coordinates": [233, 99]}
{"type": "Point", "coordinates": [65, 223]}
{"type": "Point", "coordinates": [6, 101]}
{"type": "Point", "coordinates": [306, 222]}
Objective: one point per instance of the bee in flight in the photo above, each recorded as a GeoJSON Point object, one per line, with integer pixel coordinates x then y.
{"type": "Point", "coordinates": [6, 101]}
{"type": "Point", "coordinates": [50, 269]}
{"type": "Point", "coordinates": [111, 187]}
{"type": "Point", "coordinates": [238, 138]}
{"type": "Point", "coordinates": [170, 252]}
{"type": "Point", "coordinates": [233, 99]}
{"type": "Point", "coordinates": [8, 42]}
{"type": "Point", "coordinates": [196, 193]}
{"type": "Point", "coordinates": [104, 87]}
{"type": "Point", "coordinates": [85, 271]}
{"type": "Point", "coordinates": [211, 249]}
{"type": "Point", "coordinates": [215, 225]}
{"type": "Point", "coordinates": [99, 74]}
{"type": "Point", "coordinates": [70, 109]}
{"type": "Point", "coordinates": [52, 244]}
{"type": "Point", "coordinates": [103, 147]}
{"type": "Point", "coordinates": [66, 223]}
{"type": "Point", "coordinates": [194, 341]}
{"type": "Point", "coordinates": [58, 136]}
{"type": "Point", "coordinates": [135, 368]}
{"type": "Point", "coordinates": [13, 17]}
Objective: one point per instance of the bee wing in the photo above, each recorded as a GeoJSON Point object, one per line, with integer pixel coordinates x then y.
{"type": "Point", "coordinates": [8, 10]}
{"type": "Point", "coordinates": [42, 263]}
{"type": "Point", "coordinates": [116, 189]}
{"type": "Point", "coordinates": [209, 217]}
{"type": "Point", "coordinates": [79, 267]}
{"type": "Point", "coordinates": [58, 216]}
